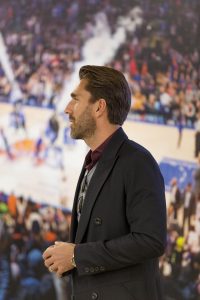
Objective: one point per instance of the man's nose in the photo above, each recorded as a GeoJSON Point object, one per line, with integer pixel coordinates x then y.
{"type": "Point", "coordinates": [68, 108]}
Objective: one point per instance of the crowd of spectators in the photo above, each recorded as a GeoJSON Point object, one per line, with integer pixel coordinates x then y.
{"type": "Point", "coordinates": [26, 230]}
{"type": "Point", "coordinates": [163, 62]}
{"type": "Point", "coordinates": [180, 265]}
{"type": "Point", "coordinates": [44, 39]}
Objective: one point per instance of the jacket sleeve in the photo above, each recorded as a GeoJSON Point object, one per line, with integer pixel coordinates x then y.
{"type": "Point", "coordinates": [146, 216]}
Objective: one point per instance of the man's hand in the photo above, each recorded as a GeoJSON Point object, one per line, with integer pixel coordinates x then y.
{"type": "Point", "coordinates": [57, 258]}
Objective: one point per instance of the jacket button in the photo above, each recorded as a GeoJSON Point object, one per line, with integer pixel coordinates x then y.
{"type": "Point", "coordinates": [98, 221]}
{"type": "Point", "coordinates": [94, 296]}
{"type": "Point", "coordinates": [102, 268]}
{"type": "Point", "coordinates": [87, 270]}
{"type": "Point", "coordinates": [96, 269]}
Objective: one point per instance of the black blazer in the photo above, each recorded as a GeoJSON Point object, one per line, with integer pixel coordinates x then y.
{"type": "Point", "coordinates": [122, 230]}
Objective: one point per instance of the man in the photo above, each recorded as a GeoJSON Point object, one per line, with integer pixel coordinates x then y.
{"type": "Point", "coordinates": [197, 136]}
{"type": "Point", "coordinates": [118, 228]}
{"type": "Point", "coordinates": [189, 206]}
{"type": "Point", "coordinates": [175, 197]}
{"type": "Point", "coordinates": [196, 175]}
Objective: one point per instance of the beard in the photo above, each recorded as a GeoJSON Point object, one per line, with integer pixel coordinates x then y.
{"type": "Point", "coordinates": [84, 126]}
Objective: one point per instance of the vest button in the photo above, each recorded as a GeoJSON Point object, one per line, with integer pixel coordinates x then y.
{"type": "Point", "coordinates": [94, 296]}
{"type": "Point", "coordinates": [98, 221]}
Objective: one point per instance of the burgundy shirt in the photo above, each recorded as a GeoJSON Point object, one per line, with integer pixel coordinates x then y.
{"type": "Point", "coordinates": [93, 156]}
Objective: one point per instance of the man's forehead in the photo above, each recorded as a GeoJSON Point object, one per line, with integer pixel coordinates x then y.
{"type": "Point", "coordinates": [79, 88]}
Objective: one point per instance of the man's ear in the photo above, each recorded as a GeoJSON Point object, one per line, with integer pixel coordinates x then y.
{"type": "Point", "coordinates": [101, 106]}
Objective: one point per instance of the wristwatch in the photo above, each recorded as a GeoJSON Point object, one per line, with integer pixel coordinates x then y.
{"type": "Point", "coordinates": [73, 261]}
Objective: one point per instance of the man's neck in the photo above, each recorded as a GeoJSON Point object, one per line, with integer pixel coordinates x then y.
{"type": "Point", "coordinates": [99, 137]}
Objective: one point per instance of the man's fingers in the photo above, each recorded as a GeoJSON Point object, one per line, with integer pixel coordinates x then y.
{"type": "Point", "coordinates": [59, 274]}
{"type": "Point", "coordinates": [57, 258]}
{"type": "Point", "coordinates": [47, 253]}
{"type": "Point", "coordinates": [53, 268]}
{"type": "Point", "coordinates": [57, 243]}
{"type": "Point", "coordinates": [48, 262]}
{"type": "Point", "coordinates": [60, 271]}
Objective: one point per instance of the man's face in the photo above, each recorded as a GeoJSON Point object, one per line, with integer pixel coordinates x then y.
{"type": "Point", "coordinates": [80, 111]}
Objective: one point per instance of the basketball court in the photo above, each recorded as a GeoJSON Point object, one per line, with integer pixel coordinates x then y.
{"type": "Point", "coordinates": [51, 176]}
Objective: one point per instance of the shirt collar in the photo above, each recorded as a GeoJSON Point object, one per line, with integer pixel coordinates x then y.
{"type": "Point", "coordinates": [93, 156]}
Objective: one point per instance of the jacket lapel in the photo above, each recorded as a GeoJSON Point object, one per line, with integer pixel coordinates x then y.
{"type": "Point", "coordinates": [104, 167]}
{"type": "Point", "coordinates": [96, 183]}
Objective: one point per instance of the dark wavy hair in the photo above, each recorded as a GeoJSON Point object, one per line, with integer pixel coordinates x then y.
{"type": "Point", "coordinates": [111, 85]}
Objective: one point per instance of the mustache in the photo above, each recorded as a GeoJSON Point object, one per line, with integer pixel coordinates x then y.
{"type": "Point", "coordinates": [71, 118]}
